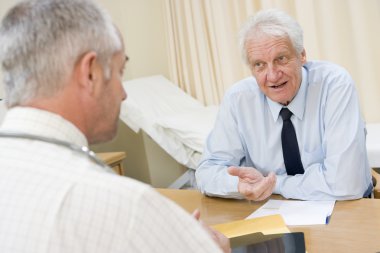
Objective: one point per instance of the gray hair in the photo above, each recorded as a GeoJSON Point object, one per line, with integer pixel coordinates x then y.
{"type": "Point", "coordinates": [274, 23]}
{"type": "Point", "coordinates": [41, 40]}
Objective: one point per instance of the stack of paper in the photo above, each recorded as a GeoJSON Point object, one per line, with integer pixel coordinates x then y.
{"type": "Point", "coordinates": [297, 212]}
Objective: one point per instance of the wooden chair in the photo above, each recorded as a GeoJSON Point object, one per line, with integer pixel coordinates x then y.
{"type": "Point", "coordinates": [376, 182]}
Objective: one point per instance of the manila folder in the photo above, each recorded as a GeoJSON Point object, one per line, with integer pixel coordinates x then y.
{"type": "Point", "coordinates": [272, 224]}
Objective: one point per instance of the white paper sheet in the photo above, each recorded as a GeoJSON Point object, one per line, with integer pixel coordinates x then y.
{"type": "Point", "coordinates": [297, 212]}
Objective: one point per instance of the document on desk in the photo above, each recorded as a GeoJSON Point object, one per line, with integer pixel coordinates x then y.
{"type": "Point", "coordinates": [296, 212]}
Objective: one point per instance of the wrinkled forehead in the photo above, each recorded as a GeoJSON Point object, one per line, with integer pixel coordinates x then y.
{"type": "Point", "coordinates": [267, 47]}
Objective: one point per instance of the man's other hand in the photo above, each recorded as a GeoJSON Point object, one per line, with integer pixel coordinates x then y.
{"type": "Point", "coordinates": [219, 238]}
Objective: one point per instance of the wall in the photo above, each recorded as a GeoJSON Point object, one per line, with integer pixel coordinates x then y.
{"type": "Point", "coordinates": [141, 24]}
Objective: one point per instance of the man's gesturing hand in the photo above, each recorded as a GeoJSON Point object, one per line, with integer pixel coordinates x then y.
{"type": "Point", "coordinates": [252, 184]}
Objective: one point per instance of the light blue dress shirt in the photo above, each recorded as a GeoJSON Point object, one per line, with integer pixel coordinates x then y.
{"type": "Point", "coordinates": [330, 133]}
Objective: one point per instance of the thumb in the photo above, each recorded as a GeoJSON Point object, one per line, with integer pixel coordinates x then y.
{"type": "Point", "coordinates": [233, 171]}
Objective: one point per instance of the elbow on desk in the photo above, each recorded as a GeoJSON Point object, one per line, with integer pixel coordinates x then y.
{"type": "Point", "coordinates": [219, 184]}
{"type": "Point", "coordinates": [350, 192]}
{"type": "Point", "coordinates": [201, 182]}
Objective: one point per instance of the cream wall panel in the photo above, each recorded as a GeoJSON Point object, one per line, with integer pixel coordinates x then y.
{"type": "Point", "coordinates": [142, 26]}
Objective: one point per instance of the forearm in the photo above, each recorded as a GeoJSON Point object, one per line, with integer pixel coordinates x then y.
{"type": "Point", "coordinates": [338, 178]}
{"type": "Point", "coordinates": [214, 180]}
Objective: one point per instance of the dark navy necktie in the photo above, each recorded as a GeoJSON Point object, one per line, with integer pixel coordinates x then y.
{"type": "Point", "coordinates": [289, 142]}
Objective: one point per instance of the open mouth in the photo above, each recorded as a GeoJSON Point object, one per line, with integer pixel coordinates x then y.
{"type": "Point", "coordinates": [278, 86]}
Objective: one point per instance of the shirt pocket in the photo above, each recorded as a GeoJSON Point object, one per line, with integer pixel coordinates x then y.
{"type": "Point", "coordinates": [311, 157]}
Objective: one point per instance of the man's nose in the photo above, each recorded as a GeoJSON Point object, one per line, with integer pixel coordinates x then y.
{"type": "Point", "coordinates": [124, 94]}
{"type": "Point", "coordinates": [274, 73]}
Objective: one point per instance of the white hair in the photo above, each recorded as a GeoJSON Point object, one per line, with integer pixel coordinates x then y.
{"type": "Point", "coordinates": [41, 40]}
{"type": "Point", "coordinates": [274, 23]}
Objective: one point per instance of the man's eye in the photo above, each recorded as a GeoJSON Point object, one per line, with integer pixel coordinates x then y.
{"type": "Point", "coordinates": [258, 65]}
{"type": "Point", "coordinates": [282, 59]}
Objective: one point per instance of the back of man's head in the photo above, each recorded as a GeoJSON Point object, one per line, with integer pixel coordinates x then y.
{"type": "Point", "coordinates": [41, 40]}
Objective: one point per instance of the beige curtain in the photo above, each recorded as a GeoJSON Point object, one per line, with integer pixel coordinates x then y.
{"type": "Point", "coordinates": [203, 42]}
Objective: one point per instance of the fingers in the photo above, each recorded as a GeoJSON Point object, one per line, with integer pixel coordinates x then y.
{"type": "Point", "coordinates": [222, 241]}
{"type": "Point", "coordinates": [242, 171]}
{"type": "Point", "coordinates": [253, 191]}
{"type": "Point", "coordinates": [212, 232]}
{"type": "Point", "coordinates": [219, 238]}
{"type": "Point", "coordinates": [252, 184]}
{"type": "Point", "coordinates": [259, 190]}
{"type": "Point", "coordinates": [196, 214]}
{"type": "Point", "coordinates": [271, 178]}
{"type": "Point", "coordinates": [245, 173]}
{"type": "Point", "coordinates": [233, 171]}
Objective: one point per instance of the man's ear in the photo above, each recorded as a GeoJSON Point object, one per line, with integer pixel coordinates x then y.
{"type": "Point", "coordinates": [87, 71]}
{"type": "Point", "coordinates": [303, 56]}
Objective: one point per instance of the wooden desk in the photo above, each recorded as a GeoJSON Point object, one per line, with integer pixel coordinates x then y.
{"type": "Point", "coordinates": [114, 160]}
{"type": "Point", "coordinates": [354, 225]}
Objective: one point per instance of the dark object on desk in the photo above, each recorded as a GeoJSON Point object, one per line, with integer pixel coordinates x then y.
{"type": "Point", "coordinates": [376, 184]}
{"type": "Point", "coordinates": [276, 243]}
{"type": "Point", "coordinates": [374, 181]}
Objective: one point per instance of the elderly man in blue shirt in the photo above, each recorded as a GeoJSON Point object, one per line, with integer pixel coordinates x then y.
{"type": "Point", "coordinates": [294, 128]}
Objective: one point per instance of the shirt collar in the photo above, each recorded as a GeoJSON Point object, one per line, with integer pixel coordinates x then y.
{"type": "Point", "coordinates": [42, 123]}
{"type": "Point", "coordinates": [297, 105]}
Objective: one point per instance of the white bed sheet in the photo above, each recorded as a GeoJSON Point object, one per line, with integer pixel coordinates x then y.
{"type": "Point", "coordinates": [173, 119]}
